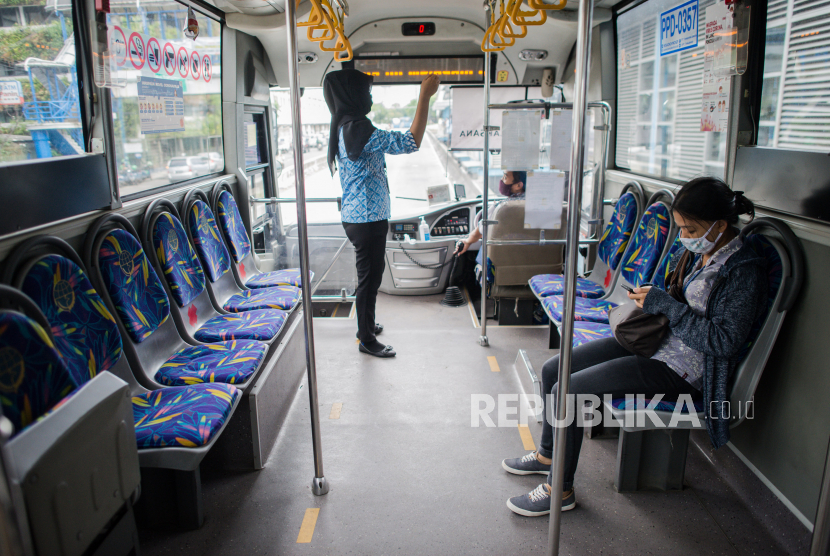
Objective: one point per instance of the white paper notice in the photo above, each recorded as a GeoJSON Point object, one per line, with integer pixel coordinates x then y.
{"type": "Point", "coordinates": [160, 105]}
{"type": "Point", "coordinates": [718, 56]}
{"type": "Point", "coordinates": [544, 195]}
{"type": "Point", "coordinates": [520, 139]}
{"type": "Point", "coordinates": [561, 122]}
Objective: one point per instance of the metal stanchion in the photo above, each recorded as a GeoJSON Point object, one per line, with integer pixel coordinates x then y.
{"type": "Point", "coordinates": [583, 53]}
{"type": "Point", "coordinates": [820, 545]}
{"type": "Point", "coordinates": [319, 485]}
{"type": "Point", "coordinates": [482, 340]}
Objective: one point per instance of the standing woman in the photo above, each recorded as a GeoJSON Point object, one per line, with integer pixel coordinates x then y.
{"type": "Point", "coordinates": [360, 147]}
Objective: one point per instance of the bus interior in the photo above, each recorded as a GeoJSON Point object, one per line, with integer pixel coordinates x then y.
{"type": "Point", "coordinates": [178, 366]}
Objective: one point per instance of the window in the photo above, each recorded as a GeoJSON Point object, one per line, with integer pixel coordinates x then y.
{"type": "Point", "coordinates": [659, 100]}
{"type": "Point", "coordinates": [795, 102]}
{"type": "Point", "coordinates": [39, 104]}
{"type": "Point", "coordinates": [171, 108]}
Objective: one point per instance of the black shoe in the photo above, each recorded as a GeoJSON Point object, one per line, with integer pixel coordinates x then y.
{"type": "Point", "coordinates": [387, 351]}
{"type": "Point", "coordinates": [378, 330]}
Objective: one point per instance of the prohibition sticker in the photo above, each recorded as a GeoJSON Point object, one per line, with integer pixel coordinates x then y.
{"type": "Point", "coordinates": [138, 55]}
{"type": "Point", "coordinates": [118, 45]}
{"type": "Point", "coordinates": [153, 55]}
{"type": "Point", "coordinates": [207, 68]}
{"type": "Point", "coordinates": [168, 58]}
{"type": "Point", "coordinates": [195, 65]}
{"type": "Point", "coordinates": [181, 61]}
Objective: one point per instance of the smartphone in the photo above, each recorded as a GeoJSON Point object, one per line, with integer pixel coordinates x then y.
{"type": "Point", "coordinates": [627, 288]}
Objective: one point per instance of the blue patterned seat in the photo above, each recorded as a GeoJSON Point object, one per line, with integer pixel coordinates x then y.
{"type": "Point", "coordinates": [230, 362]}
{"type": "Point", "coordinates": [585, 332]}
{"type": "Point", "coordinates": [633, 403]}
{"type": "Point", "coordinates": [184, 275]}
{"type": "Point", "coordinates": [647, 245]}
{"type": "Point", "coordinates": [33, 378]}
{"type": "Point", "coordinates": [661, 275]}
{"type": "Point", "coordinates": [611, 247]}
{"type": "Point", "coordinates": [186, 416]}
{"type": "Point", "coordinates": [280, 297]}
{"type": "Point", "coordinates": [585, 310]}
{"type": "Point", "coordinates": [231, 222]}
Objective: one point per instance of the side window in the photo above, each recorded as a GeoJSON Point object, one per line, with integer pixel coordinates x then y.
{"type": "Point", "coordinates": [40, 113]}
{"type": "Point", "coordinates": [795, 101]}
{"type": "Point", "coordinates": [167, 119]}
{"type": "Point", "coordinates": [659, 100]}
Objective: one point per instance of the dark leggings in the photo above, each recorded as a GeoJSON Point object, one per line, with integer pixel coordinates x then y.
{"type": "Point", "coordinates": [369, 240]}
{"type": "Point", "coordinates": [604, 367]}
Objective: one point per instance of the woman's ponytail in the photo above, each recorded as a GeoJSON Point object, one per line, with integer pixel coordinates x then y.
{"type": "Point", "coordinates": [743, 205]}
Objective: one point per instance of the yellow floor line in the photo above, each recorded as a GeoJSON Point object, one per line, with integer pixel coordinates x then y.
{"type": "Point", "coordinates": [307, 528]}
{"type": "Point", "coordinates": [494, 365]}
{"type": "Point", "coordinates": [472, 311]}
{"type": "Point", "coordinates": [335, 410]}
{"type": "Point", "coordinates": [336, 307]}
{"type": "Point", "coordinates": [527, 438]}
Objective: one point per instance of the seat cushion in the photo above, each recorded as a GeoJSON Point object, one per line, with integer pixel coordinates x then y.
{"type": "Point", "coordinates": [33, 378]}
{"type": "Point", "coordinates": [84, 330]}
{"type": "Point", "coordinates": [209, 244]}
{"type": "Point", "coordinates": [231, 222]}
{"type": "Point", "coordinates": [133, 285]}
{"type": "Point", "coordinates": [585, 332]}
{"type": "Point", "coordinates": [230, 362]}
{"type": "Point", "coordinates": [249, 325]}
{"type": "Point", "coordinates": [286, 277]}
{"type": "Point", "coordinates": [184, 416]}
{"type": "Point", "coordinates": [618, 231]}
{"type": "Point", "coordinates": [178, 259]}
{"type": "Point", "coordinates": [544, 285]}
{"type": "Point", "coordinates": [281, 297]}
{"type": "Point", "coordinates": [633, 403]}
{"type": "Point", "coordinates": [585, 310]}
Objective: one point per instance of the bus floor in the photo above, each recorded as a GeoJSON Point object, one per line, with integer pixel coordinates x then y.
{"type": "Point", "coordinates": [409, 475]}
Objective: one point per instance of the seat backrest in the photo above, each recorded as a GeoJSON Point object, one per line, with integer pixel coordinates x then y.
{"type": "Point", "coordinates": [212, 251]}
{"type": "Point", "coordinates": [85, 332]}
{"type": "Point", "coordinates": [33, 378]}
{"type": "Point", "coordinates": [661, 275]}
{"type": "Point", "coordinates": [132, 284]}
{"type": "Point", "coordinates": [230, 220]}
{"type": "Point", "coordinates": [617, 233]}
{"type": "Point", "coordinates": [178, 259]}
{"type": "Point", "coordinates": [648, 244]}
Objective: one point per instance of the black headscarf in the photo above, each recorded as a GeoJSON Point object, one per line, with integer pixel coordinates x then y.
{"type": "Point", "coordinates": [349, 98]}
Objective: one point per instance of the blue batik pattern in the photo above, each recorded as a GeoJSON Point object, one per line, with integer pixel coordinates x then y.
{"type": "Point", "coordinates": [182, 417]}
{"type": "Point", "coordinates": [544, 285]}
{"type": "Point", "coordinates": [133, 285]}
{"type": "Point", "coordinates": [775, 273]}
{"type": "Point", "coordinates": [365, 187]}
{"type": "Point", "coordinates": [585, 310]}
{"type": "Point", "coordinates": [210, 246]}
{"type": "Point", "coordinates": [286, 277]}
{"type": "Point", "coordinates": [618, 231]}
{"type": "Point", "coordinates": [250, 325]}
{"type": "Point", "coordinates": [585, 332]}
{"type": "Point", "coordinates": [33, 378]}
{"type": "Point", "coordinates": [634, 403]}
{"type": "Point", "coordinates": [647, 245]}
{"type": "Point", "coordinates": [231, 222]}
{"type": "Point", "coordinates": [281, 297]}
{"type": "Point", "coordinates": [227, 362]}
{"type": "Point", "coordinates": [84, 330]}
{"type": "Point", "coordinates": [661, 275]}
{"type": "Point", "coordinates": [178, 260]}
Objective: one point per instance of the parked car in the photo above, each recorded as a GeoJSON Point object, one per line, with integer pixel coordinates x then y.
{"type": "Point", "coordinates": [183, 168]}
{"type": "Point", "coordinates": [217, 163]}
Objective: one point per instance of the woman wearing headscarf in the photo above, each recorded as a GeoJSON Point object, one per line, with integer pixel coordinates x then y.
{"type": "Point", "coordinates": [360, 148]}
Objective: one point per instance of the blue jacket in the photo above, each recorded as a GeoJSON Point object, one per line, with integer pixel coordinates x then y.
{"type": "Point", "coordinates": [738, 298]}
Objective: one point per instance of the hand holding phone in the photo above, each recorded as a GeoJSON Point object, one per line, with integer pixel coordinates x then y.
{"type": "Point", "coordinates": [627, 288]}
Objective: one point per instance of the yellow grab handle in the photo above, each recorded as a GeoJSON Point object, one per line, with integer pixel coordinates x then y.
{"type": "Point", "coordinates": [314, 17]}
{"type": "Point", "coordinates": [508, 41]}
{"type": "Point", "coordinates": [485, 42]}
{"type": "Point", "coordinates": [519, 16]}
{"type": "Point", "coordinates": [504, 23]}
{"type": "Point", "coordinates": [327, 26]}
{"type": "Point", "coordinates": [539, 5]}
{"type": "Point", "coordinates": [349, 54]}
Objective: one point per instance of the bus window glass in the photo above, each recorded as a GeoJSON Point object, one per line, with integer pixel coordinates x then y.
{"type": "Point", "coordinates": [659, 100]}
{"type": "Point", "coordinates": [40, 114]}
{"type": "Point", "coordinates": [795, 102]}
{"type": "Point", "coordinates": [168, 118]}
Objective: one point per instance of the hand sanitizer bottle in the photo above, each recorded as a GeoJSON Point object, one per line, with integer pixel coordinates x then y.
{"type": "Point", "coordinates": [424, 229]}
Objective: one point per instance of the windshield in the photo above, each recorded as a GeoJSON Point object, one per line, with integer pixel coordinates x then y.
{"type": "Point", "coordinates": [409, 175]}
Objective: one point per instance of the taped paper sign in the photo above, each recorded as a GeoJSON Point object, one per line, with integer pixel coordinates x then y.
{"type": "Point", "coordinates": [468, 115]}
{"type": "Point", "coordinates": [544, 197]}
{"type": "Point", "coordinates": [160, 105]}
{"type": "Point", "coordinates": [151, 56]}
{"type": "Point", "coordinates": [520, 139]}
{"type": "Point", "coordinates": [678, 28]}
{"type": "Point", "coordinates": [561, 123]}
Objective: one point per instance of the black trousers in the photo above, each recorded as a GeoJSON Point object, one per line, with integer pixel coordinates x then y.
{"type": "Point", "coordinates": [369, 240]}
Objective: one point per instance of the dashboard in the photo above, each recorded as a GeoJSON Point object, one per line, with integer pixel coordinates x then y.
{"type": "Point", "coordinates": [455, 223]}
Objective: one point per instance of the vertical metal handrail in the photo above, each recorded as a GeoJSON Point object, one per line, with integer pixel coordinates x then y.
{"type": "Point", "coordinates": [319, 485]}
{"type": "Point", "coordinates": [583, 62]}
{"type": "Point", "coordinates": [599, 177]}
{"type": "Point", "coordinates": [820, 545]}
{"type": "Point", "coordinates": [482, 340]}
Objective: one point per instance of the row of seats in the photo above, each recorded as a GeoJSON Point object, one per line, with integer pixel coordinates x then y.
{"type": "Point", "coordinates": [68, 322]}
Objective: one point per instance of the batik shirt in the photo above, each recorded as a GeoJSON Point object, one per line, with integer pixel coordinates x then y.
{"type": "Point", "coordinates": [685, 361]}
{"type": "Point", "coordinates": [365, 187]}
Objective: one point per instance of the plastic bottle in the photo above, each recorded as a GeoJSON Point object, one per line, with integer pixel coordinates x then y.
{"type": "Point", "coordinates": [424, 229]}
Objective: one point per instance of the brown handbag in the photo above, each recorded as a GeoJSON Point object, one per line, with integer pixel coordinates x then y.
{"type": "Point", "coordinates": [639, 332]}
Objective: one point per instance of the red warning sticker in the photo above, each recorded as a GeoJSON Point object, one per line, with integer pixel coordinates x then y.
{"type": "Point", "coordinates": [207, 68]}
{"type": "Point", "coordinates": [136, 48]}
{"type": "Point", "coordinates": [153, 55]}
{"type": "Point", "coordinates": [195, 65]}
{"type": "Point", "coordinates": [118, 45]}
{"type": "Point", "coordinates": [168, 58]}
{"type": "Point", "coordinates": [181, 61]}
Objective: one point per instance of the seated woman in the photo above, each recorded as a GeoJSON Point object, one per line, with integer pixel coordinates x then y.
{"type": "Point", "coordinates": [716, 290]}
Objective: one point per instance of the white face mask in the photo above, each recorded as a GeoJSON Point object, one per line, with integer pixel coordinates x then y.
{"type": "Point", "coordinates": [701, 245]}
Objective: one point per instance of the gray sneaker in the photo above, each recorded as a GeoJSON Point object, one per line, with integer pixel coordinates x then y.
{"type": "Point", "coordinates": [537, 502]}
{"type": "Point", "coordinates": [526, 465]}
